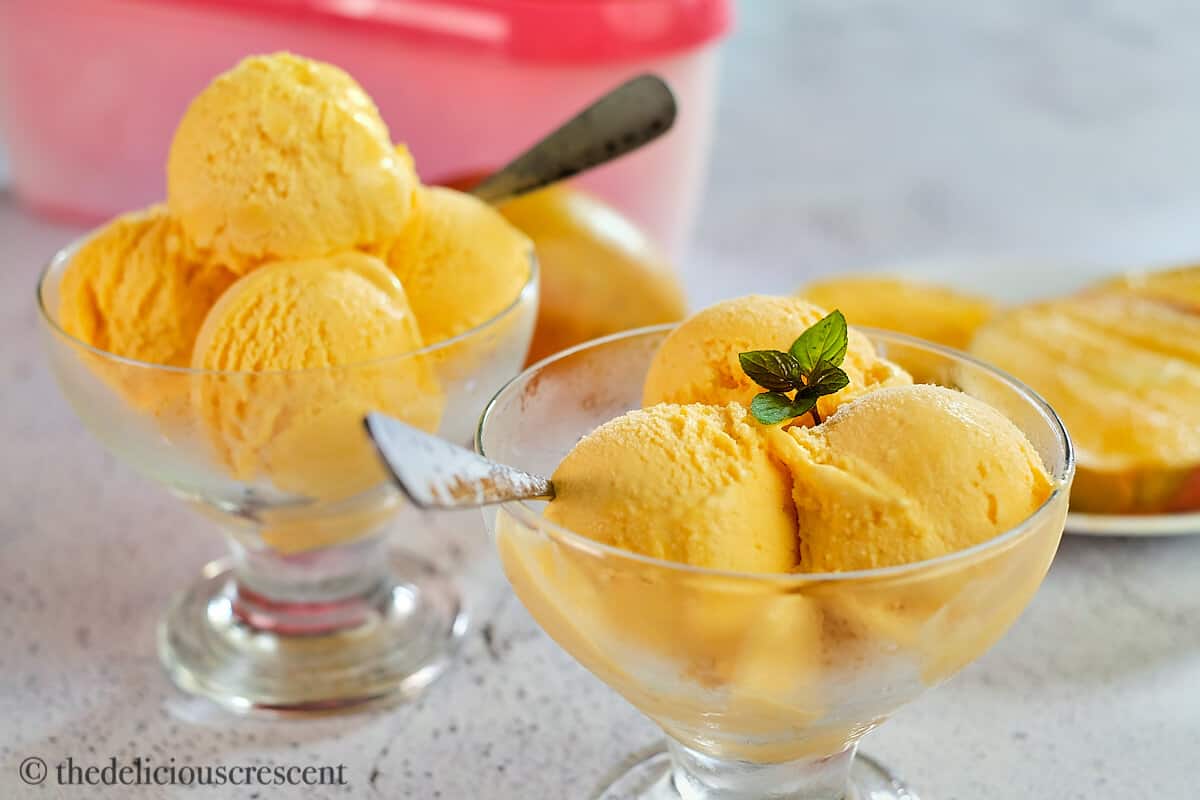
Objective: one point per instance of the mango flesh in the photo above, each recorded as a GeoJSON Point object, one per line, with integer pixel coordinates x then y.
{"type": "Point", "coordinates": [927, 311]}
{"type": "Point", "coordinates": [1123, 371]}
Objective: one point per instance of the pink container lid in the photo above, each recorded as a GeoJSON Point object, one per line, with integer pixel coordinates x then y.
{"type": "Point", "coordinates": [558, 31]}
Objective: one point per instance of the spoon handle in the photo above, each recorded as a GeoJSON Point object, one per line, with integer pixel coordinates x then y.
{"type": "Point", "coordinates": [434, 473]}
{"type": "Point", "coordinates": [635, 113]}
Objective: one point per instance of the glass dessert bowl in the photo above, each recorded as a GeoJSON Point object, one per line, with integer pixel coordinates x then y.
{"type": "Point", "coordinates": [313, 609]}
{"type": "Point", "coordinates": [763, 683]}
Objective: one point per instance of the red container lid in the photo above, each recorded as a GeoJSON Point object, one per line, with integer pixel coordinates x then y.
{"type": "Point", "coordinates": [559, 31]}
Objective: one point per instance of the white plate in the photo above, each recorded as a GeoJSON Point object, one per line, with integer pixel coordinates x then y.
{"type": "Point", "coordinates": [1014, 280]}
{"type": "Point", "coordinates": [1133, 525]}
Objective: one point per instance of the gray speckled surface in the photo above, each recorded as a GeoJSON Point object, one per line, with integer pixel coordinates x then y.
{"type": "Point", "coordinates": [850, 133]}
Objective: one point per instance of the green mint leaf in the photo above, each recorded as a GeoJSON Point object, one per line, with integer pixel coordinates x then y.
{"type": "Point", "coordinates": [771, 369]}
{"type": "Point", "coordinates": [772, 408]}
{"type": "Point", "coordinates": [825, 341]}
{"type": "Point", "coordinates": [824, 379]}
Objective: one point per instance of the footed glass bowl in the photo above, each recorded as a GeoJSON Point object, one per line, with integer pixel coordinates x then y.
{"type": "Point", "coordinates": [763, 683]}
{"type": "Point", "coordinates": [313, 610]}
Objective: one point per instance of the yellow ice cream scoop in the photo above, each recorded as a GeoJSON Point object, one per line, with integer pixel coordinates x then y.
{"type": "Point", "coordinates": [1122, 369]}
{"type": "Point", "coordinates": [694, 484]}
{"type": "Point", "coordinates": [927, 311]}
{"type": "Point", "coordinates": [130, 291]}
{"type": "Point", "coordinates": [599, 272]}
{"type": "Point", "coordinates": [698, 361]}
{"type": "Point", "coordinates": [906, 474]}
{"type": "Point", "coordinates": [307, 348]}
{"type": "Point", "coordinates": [285, 158]}
{"type": "Point", "coordinates": [688, 483]}
{"type": "Point", "coordinates": [460, 262]}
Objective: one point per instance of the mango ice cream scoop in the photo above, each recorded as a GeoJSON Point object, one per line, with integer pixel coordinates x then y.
{"type": "Point", "coordinates": [304, 349]}
{"type": "Point", "coordinates": [692, 483]}
{"type": "Point", "coordinates": [698, 362]}
{"type": "Point", "coordinates": [130, 290]}
{"type": "Point", "coordinates": [285, 158]}
{"type": "Point", "coordinates": [907, 474]}
{"type": "Point", "coordinates": [460, 262]}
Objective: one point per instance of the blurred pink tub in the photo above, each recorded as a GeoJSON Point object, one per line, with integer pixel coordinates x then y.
{"type": "Point", "coordinates": [90, 90]}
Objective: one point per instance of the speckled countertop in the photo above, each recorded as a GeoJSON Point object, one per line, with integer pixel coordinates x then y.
{"type": "Point", "coordinates": [850, 133]}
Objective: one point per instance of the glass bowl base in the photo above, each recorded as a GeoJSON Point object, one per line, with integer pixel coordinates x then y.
{"type": "Point", "coordinates": [650, 779]}
{"type": "Point", "coordinates": [404, 639]}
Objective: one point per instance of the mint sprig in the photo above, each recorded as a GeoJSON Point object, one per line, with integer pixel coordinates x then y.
{"type": "Point", "coordinates": [826, 340]}
{"type": "Point", "coordinates": [795, 380]}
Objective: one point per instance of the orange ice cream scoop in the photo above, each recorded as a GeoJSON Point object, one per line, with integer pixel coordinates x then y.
{"type": "Point", "coordinates": [460, 262]}
{"type": "Point", "coordinates": [308, 347]}
{"type": "Point", "coordinates": [130, 290]}
{"type": "Point", "coordinates": [906, 474]}
{"type": "Point", "coordinates": [693, 483]}
{"type": "Point", "coordinates": [698, 361]}
{"type": "Point", "coordinates": [285, 158]}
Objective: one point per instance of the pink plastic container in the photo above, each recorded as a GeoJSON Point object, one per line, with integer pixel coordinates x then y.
{"type": "Point", "coordinates": [91, 90]}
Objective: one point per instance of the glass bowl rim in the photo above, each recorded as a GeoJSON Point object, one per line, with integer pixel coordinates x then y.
{"type": "Point", "coordinates": [527, 515]}
{"type": "Point", "coordinates": [68, 251]}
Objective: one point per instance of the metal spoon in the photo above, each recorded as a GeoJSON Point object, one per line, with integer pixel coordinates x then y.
{"type": "Point", "coordinates": [434, 473]}
{"type": "Point", "coordinates": [635, 113]}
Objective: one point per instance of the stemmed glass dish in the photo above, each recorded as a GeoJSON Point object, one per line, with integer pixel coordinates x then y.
{"type": "Point", "coordinates": [312, 609]}
{"type": "Point", "coordinates": [763, 683]}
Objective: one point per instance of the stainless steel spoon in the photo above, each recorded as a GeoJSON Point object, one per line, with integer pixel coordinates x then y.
{"type": "Point", "coordinates": [631, 115]}
{"type": "Point", "coordinates": [434, 473]}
